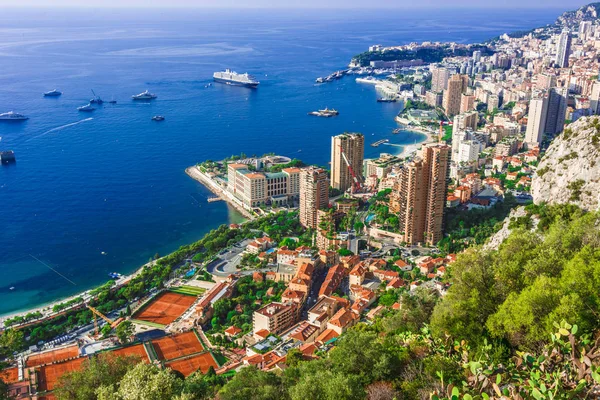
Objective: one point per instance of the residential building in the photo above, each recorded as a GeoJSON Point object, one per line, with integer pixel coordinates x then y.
{"type": "Point", "coordinates": [314, 195]}
{"type": "Point", "coordinates": [563, 49]}
{"type": "Point", "coordinates": [380, 167]}
{"type": "Point", "coordinates": [557, 108]}
{"type": "Point", "coordinates": [467, 102]}
{"type": "Point", "coordinates": [352, 145]}
{"type": "Point", "coordinates": [439, 79]}
{"type": "Point", "coordinates": [274, 317]}
{"type": "Point", "coordinates": [493, 102]}
{"type": "Point", "coordinates": [595, 98]}
{"type": "Point", "coordinates": [457, 84]}
{"type": "Point", "coordinates": [434, 99]}
{"type": "Point", "coordinates": [536, 121]}
{"type": "Point", "coordinates": [464, 121]}
{"type": "Point", "coordinates": [421, 195]}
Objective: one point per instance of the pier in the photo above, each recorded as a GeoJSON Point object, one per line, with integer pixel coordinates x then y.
{"type": "Point", "coordinates": [214, 187]}
{"type": "Point", "coordinates": [377, 143]}
{"type": "Point", "coordinates": [213, 199]}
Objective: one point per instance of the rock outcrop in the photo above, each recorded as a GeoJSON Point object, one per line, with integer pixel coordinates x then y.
{"type": "Point", "coordinates": [588, 12]}
{"type": "Point", "coordinates": [569, 172]}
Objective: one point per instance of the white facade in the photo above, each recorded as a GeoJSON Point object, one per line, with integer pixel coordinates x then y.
{"type": "Point", "coordinates": [536, 121]}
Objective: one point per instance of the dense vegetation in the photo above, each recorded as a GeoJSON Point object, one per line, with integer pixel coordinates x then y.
{"type": "Point", "coordinates": [249, 296]}
{"type": "Point", "coordinates": [517, 293]}
{"type": "Point", "coordinates": [416, 105]}
{"type": "Point", "coordinates": [464, 229]}
{"type": "Point", "coordinates": [428, 55]}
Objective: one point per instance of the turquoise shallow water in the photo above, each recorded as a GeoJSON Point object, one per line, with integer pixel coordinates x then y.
{"type": "Point", "coordinates": [113, 181]}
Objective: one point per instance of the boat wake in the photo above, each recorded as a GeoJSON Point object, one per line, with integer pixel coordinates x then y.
{"type": "Point", "coordinates": [60, 128]}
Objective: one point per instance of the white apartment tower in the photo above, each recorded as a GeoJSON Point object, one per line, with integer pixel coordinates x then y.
{"type": "Point", "coordinates": [536, 121]}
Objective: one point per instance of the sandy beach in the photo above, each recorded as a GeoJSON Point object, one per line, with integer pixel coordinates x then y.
{"type": "Point", "coordinates": [412, 148]}
{"type": "Point", "coordinates": [46, 309]}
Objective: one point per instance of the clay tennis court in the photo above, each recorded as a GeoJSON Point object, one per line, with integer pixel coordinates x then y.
{"type": "Point", "coordinates": [192, 364]}
{"type": "Point", "coordinates": [175, 346]}
{"type": "Point", "coordinates": [135, 350]}
{"type": "Point", "coordinates": [48, 375]}
{"type": "Point", "coordinates": [53, 356]}
{"type": "Point", "coordinates": [10, 375]}
{"type": "Point", "coordinates": [166, 308]}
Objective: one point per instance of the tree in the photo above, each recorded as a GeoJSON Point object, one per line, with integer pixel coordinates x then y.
{"type": "Point", "coordinates": [327, 385]}
{"type": "Point", "coordinates": [103, 370]}
{"type": "Point", "coordinates": [359, 353]}
{"type": "Point", "coordinates": [146, 381]}
{"type": "Point", "coordinates": [251, 383]}
{"type": "Point", "coordinates": [11, 340]}
{"type": "Point", "coordinates": [358, 226]}
{"type": "Point", "coordinates": [381, 391]}
{"type": "Point", "coordinates": [3, 390]}
{"type": "Point", "coordinates": [345, 252]}
{"type": "Point", "coordinates": [293, 357]}
{"type": "Point", "coordinates": [124, 331]}
{"type": "Point", "coordinates": [471, 299]}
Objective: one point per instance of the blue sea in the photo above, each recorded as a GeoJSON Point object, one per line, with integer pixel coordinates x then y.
{"type": "Point", "coordinates": [101, 192]}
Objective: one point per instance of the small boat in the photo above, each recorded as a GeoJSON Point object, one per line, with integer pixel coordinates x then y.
{"type": "Point", "coordinates": [158, 118]}
{"type": "Point", "coordinates": [52, 93]}
{"type": "Point", "coordinates": [87, 108]}
{"type": "Point", "coordinates": [12, 288]}
{"type": "Point", "coordinates": [386, 100]}
{"type": "Point", "coordinates": [12, 116]}
{"type": "Point", "coordinates": [96, 99]}
{"type": "Point", "coordinates": [146, 95]}
{"type": "Point", "coordinates": [319, 80]}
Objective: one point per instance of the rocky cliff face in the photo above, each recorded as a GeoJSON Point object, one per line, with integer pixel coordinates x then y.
{"type": "Point", "coordinates": [588, 12]}
{"type": "Point", "coordinates": [569, 172]}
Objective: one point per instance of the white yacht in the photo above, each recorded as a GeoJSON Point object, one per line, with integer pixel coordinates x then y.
{"type": "Point", "coordinates": [53, 93]}
{"type": "Point", "coordinates": [87, 107]}
{"type": "Point", "coordinates": [146, 95]}
{"type": "Point", "coordinates": [12, 116]}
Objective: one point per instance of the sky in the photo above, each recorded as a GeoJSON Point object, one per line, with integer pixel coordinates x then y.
{"type": "Point", "coordinates": [338, 4]}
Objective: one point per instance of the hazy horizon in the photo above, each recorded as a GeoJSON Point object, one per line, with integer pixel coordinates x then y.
{"type": "Point", "coordinates": [307, 4]}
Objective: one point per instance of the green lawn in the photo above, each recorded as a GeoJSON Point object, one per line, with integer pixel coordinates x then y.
{"type": "Point", "coordinates": [188, 290]}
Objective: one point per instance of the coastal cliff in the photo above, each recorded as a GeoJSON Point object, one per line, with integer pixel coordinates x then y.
{"type": "Point", "coordinates": [569, 172]}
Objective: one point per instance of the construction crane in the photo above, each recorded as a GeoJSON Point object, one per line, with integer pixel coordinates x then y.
{"type": "Point", "coordinates": [96, 313]}
{"type": "Point", "coordinates": [356, 185]}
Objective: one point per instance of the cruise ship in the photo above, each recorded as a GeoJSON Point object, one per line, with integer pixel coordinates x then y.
{"type": "Point", "coordinates": [146, 95]}
{"type": "Point", "coordinates": [230, 77]}
{"type": "Point", "coordinates": [12, 116]}
{"type": "Point", "coordinates": [53, 93]}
